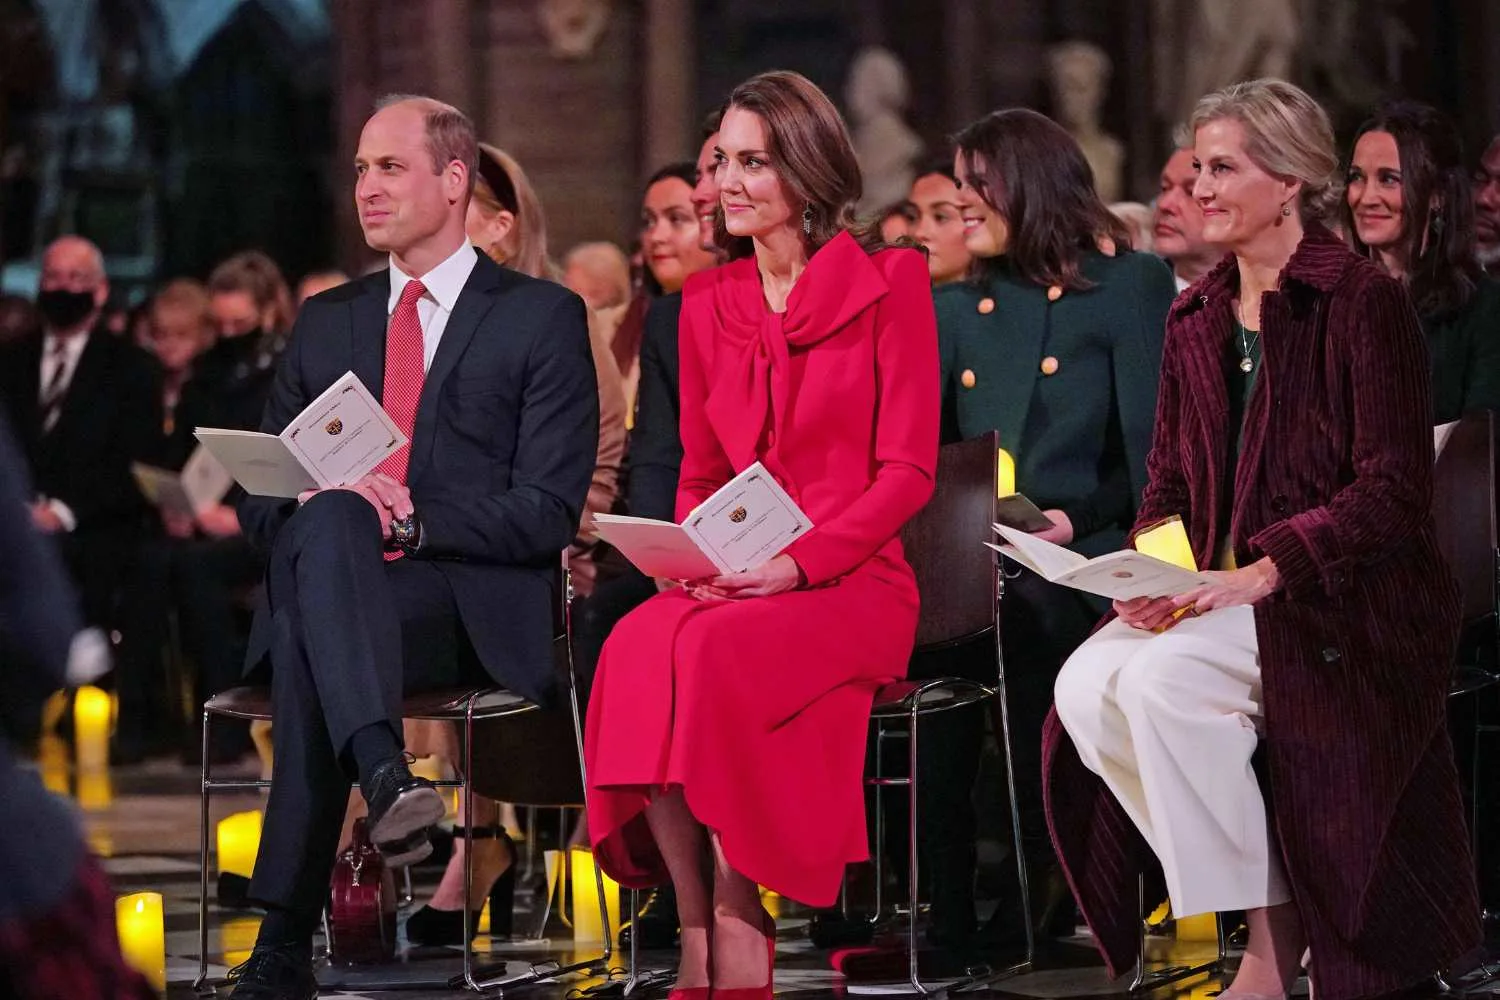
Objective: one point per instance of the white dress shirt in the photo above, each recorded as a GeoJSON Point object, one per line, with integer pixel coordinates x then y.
{"type": "Point", "coordinates": [443, 284]}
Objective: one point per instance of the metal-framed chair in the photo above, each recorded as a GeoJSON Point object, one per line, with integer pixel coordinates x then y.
{"type": "Point", "coordinates": [961, 585]}
{"type": "Point", "coordinates": [1468, 535]}
{"type": "Point", "coordinates": [464, 706]}
{"type": "Point", "coordinates": [1150, 980]}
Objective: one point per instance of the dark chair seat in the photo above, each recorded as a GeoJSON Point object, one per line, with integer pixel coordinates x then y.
{"type": "Point", "coordinates": [443, 704]}
{"type": "Point", "coordinates": [897, 700]}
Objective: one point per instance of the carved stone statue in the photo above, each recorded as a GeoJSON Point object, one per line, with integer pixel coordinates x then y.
{"type": "Point", "coordinates": [877, 93]}
{"type": "Point", "coordinates": [1203, 45]}
{"type": "Point", "coordinates": [1079, 75]}
{"type": "Point", "coordinates": [573, 27]}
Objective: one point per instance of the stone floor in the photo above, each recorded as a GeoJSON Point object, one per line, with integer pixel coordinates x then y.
{"type": "Point", "coordinates": [144, 821]}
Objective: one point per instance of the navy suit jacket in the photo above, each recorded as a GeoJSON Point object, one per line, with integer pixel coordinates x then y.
{"type": "Point", "coordinates": [655, 459]}
{"type": "Point", "coordinates": [502, 450]}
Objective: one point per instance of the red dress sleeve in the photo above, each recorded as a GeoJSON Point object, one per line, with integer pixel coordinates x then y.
{"type": "Point", "coordinates": [906, 428]}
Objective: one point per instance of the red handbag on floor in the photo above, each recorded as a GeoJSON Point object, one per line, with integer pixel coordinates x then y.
{"type": "Point", "coordinates": [362, 917]}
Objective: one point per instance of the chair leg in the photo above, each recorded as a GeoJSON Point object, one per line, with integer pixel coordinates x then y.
{"type": "Point", "coordinates": [879, 910]}
{"type": "Point", "coordinates": [913, 883]}
{"type": "Point", "coordinates": [204, 790]}
{"type": "Point", "coordinates": [1171, 973]}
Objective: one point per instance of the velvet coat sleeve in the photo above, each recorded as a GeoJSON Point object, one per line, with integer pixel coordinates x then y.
{"type": "Point", "coordinates": [1166, 490]}
{"type": "Point", "coordinates": [1390, 494]}
{"type": "Point", "coordinates": [906, 430]}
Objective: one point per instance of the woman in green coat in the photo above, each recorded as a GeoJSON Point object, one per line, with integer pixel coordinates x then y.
{"type": "Point", "coordinates": [1056, 343]}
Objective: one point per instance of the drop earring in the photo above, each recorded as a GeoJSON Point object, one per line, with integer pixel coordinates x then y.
{"type": "Point", "coordinates": [807, 217]}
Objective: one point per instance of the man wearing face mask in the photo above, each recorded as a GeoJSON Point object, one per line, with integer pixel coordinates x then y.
{"type": "Point", "coordinates": [85, 406]}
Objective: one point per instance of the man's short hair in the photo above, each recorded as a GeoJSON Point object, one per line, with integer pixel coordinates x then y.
{"type": "Point", "coordinates": [450, 133]}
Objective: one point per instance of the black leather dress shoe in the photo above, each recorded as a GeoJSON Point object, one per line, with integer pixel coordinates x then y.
{"type": "Point", "coordinates": [402, 807]}
{"type": "Point", "coordinates": [274, 972]}
{"type": "Point", "coordinates": [656, 922]}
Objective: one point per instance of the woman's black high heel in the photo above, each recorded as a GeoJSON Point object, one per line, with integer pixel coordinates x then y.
{"type": "Point", "coordinates": [427, 926]}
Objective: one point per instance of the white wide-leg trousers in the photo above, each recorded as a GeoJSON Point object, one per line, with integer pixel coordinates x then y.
{"type": "Point", "coordinates": [1168, 721]}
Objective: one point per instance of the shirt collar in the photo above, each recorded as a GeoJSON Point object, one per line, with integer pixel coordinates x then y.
{"type": "Point", "coordinates": [443, 283]}
{"type": "Point", "coordinates": [74, 345]}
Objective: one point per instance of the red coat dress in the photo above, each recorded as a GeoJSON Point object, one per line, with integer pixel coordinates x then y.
{"type": "Point", "coordinates": [758, 709]}
{"type": "Point", "coordinates": [1334, 483]}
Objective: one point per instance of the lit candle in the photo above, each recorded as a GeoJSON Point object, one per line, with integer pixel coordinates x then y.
{"type": "Point", "coordinates": [239, 843]}
{"type": "Point", "coordinates": [94, 791]}
{"type": "Point", "coordinates": [91, 713]}
{"type": "Point", "coordinates": [1167, 540]}
{"type": "Point", "coordinates": [587, 922]}
{"type": "Point", "coordinates": [237, 938]}
{"type": "Point", "coordinates": [1005, 474]}
{"type": "Point", "coordinates": [1199, 927]}
{"type": "Point", "coordinates": [52, 761]}
{"type": "Point", "coordinates": [143, 942]}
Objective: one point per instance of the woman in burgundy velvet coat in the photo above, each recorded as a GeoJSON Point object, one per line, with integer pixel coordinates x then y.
{"type": "Point", "coordinates": [727, 723]}
{"type": "Point", "coordinates": [1293, 437]}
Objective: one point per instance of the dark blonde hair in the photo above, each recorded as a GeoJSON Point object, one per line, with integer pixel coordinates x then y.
{"type": "Point", "coordinates": [187, 296]}
{"type": "Point", "coordinates": [257, 275]}
{"type": "Point", "coordinates": [811, 153]}
{"type": "Point", "coordinates": [1287, 134]}
{"type": "Point", "coordinates": [524, 248]}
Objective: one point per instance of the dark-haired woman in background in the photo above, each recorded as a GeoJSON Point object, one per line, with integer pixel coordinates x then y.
{"type": "Point", "coordinates": [728, 717]}
{"type": "Point", "coordinates": [1410, 209]}
{"type": "Point", "coordinates": [1057, 345]}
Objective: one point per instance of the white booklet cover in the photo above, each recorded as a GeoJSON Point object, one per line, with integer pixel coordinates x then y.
{"type": "Point", "coordinates": [1121, 575]}
{"type": "Point", "coordinates": [747, 521]}
{"type": "Point", "coordinates": [341, 436]}
{"type": "Point", "coordinates": [202, 483]}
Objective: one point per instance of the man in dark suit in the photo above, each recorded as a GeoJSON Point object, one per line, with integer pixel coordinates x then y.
{"type": "Point", "coordinates": [437, 568]}
{"type": "Point", "coordinates": [85, 405]}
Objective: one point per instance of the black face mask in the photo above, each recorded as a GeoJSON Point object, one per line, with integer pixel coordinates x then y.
{"type": "Point", "coordinates": [62, 309]}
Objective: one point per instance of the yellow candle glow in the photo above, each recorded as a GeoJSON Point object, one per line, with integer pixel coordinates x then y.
{"type": "Point", "coordinates": [239, 842]}
{"type": "Point", "coordinates": [1005, 474]}
{"type": "Point", "coordinates": [1199, 927]}
{"type": "Point", "coordinates": [95, 793]}
{"type": "Point", "coordinates": [52, 761]}
{"type": "Point", "coordinates": [1167, 540]}
{"type": "Point", "coordinates": [91, 715]}
{"type": "Point", "coordinates": [587, 924]}
{"type": "Point", "coordinates": [143, 941]}
{"type": "Point", "coordinates": [237, 938]}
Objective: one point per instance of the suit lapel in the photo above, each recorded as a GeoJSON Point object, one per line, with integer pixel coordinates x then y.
{"type": "Point", "coordinates": [84, 387]}
{"type": "Point", "coordinates": [473, 303]}
{"type": "Point", "coordinates": [367, 333]}
{"type": "Point", "coordinates": [1021, 329]}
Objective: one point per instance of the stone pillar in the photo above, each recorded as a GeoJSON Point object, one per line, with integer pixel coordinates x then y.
{"type": "Point", "coordinates": [964, 31]}
{"type": "Point", "coordinates": [450, 46]}
{"type": "Point", "coordinates": [670, 67]}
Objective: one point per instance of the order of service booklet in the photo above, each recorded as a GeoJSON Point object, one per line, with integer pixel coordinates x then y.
{"type": "Point", "coordinates": [747, 521]}
{"type": "Point", "coordinates": [202, 483]}
{"type": "Point", "coordinates": [1121, 575]}
{"type": "Point", "coordinates": [340, 437]}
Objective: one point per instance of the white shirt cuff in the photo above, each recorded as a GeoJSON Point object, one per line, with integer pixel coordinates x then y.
{"type": "Point", "coordinates": [64, 514]}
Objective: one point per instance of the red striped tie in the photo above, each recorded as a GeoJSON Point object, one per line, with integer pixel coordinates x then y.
{"type": "Point", "coordinates": [403, 379]}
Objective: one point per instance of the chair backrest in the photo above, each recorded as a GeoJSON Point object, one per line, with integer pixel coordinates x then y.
{"type": "Point", "coordinates": [532, 759]}
{"type": "Point", "coordinates": [956, 574]}
{"type": "Point", "coordinates": [1463, 506]}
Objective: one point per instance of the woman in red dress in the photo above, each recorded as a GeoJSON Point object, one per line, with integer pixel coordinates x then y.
{"type": "Point", "coordinates": [726, 728]}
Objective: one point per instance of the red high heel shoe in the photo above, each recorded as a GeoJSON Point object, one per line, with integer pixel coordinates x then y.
{"type": "Point", "coordinates": [768, 928]}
